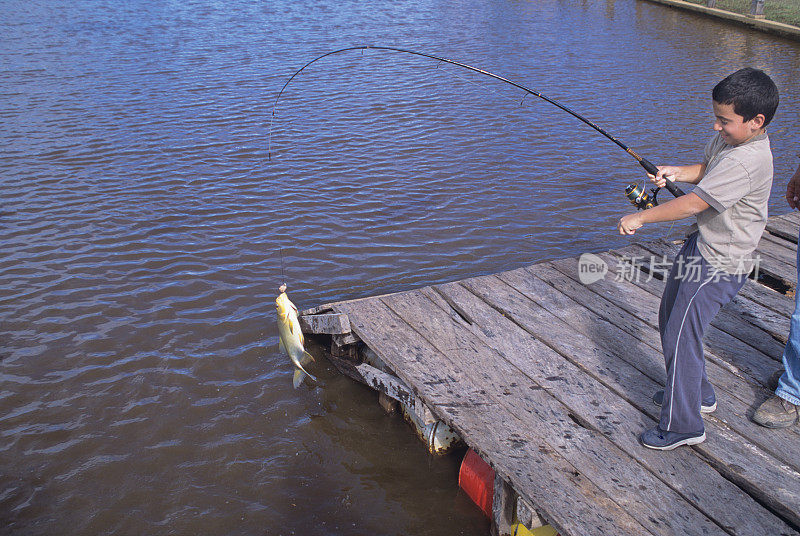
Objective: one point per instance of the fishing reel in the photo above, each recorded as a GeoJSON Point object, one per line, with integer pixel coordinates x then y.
{"type": "Point", "coordinates": [640, 198]}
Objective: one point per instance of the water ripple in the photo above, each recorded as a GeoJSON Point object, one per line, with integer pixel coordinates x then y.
{"type": "Point", "coordinates": [144, 231]}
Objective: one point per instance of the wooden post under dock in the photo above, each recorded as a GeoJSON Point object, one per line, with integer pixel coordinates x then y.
{"type": "Point", "coordinates": [550, 381]}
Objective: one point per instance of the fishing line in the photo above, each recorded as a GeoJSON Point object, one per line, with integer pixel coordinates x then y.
{"type": "Point", "coordinates": [283, 277]}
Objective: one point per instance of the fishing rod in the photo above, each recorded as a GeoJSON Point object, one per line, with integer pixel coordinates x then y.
{"type": "Point", "coordinates": [635, 193]}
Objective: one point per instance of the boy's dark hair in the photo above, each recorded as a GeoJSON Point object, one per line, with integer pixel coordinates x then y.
{"type": "Point", "coordinates": [751, 92]}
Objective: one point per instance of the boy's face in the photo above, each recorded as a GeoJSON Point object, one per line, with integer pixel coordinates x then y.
{"type": "Point", "coordinates": [732, 125]}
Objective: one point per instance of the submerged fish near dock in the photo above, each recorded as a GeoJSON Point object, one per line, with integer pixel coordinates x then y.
{"type": "Point", "coordinates": [291, 338]}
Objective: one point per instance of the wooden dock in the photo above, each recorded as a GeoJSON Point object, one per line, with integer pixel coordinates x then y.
{"type": "Point", "coordinates": [550, 380]}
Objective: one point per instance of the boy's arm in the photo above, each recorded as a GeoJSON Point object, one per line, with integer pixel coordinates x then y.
{"type": "Point", "coordinates": [674, 209]}
{"type": "Point", "coordinates": [691, 174]}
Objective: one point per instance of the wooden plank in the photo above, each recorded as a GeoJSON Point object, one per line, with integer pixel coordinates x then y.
{"type": "Point", "coordinates": [386, 383]}
{"type": "Point", "coordinates": [788, 247]}
{"type": "Point", "coordinates": [330, 324]}
{"type": "Point", "coordinates": [769, 265]}
{"type": "Point", "coordinates": [783, 229]}
{"type": "Point", "coordinates": [324, 308]}
{"type": "Point", "coordinates": [777, 256]}
{"type": "Point", "coordinates": [658, 508]}
{"type": "Point", "coordinates": [342, 341]}
{"type": "Point", "coordinates": [595, 405]}
{"type": "Point", "coordinates": [768, 297]}
{"type": "Point", "coordinates": [566, 498]}
{"type": "Point", "coordinates": [791, 217]}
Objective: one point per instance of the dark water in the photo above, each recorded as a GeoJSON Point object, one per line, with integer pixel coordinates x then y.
{"type": "Point", "coordinates": [141, 391]}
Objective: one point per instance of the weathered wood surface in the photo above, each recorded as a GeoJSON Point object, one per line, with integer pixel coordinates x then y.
{"type": "Point", "coordinates": [326, 323]}
{"type": "Point", "coordinates": [551, 381]}
{"type": "Point", "coordinates": [784, 227]}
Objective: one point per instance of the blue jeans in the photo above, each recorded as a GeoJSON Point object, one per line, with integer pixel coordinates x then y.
{"type": "Point", "coordinates": [789, 384]}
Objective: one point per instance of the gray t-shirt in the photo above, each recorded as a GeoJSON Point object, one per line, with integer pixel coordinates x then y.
{"type": "Point", "coordinates": [736, 184]}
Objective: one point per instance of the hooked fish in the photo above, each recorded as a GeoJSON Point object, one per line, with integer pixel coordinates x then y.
{"type": "Point", "coordinates": [291, 338]}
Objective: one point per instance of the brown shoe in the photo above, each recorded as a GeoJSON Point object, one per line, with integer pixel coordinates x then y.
{"type": "Point", "coordinates": [776, 413]}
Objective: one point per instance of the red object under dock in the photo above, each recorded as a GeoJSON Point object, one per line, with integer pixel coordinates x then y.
{"type": "Point", "coordinates": [476, 478]}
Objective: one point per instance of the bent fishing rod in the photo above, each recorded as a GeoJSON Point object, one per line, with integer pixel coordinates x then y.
{"type": "Point", "coordinates": [634, 192]}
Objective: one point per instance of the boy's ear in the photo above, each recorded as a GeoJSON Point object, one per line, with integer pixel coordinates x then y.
{"type": "Point", "coordinates": [758, 121]}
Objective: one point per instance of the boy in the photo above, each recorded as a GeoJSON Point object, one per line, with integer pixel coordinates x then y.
{"type": "Point", "coordinates": [730, 203]}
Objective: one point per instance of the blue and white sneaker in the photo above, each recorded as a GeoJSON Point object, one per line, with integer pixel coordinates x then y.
{"type": "Point", "coordinates": [707, 405]}
{"type": "Point", "coordinates": [659, 439]}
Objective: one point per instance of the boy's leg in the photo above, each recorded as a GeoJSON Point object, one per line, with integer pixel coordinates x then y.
{"type": "Point", "coordinates": [672, 282]}
{"type": "Point", "coordinates": [696, 296]}
{"type": "Point", "coordinates": [682, 259]}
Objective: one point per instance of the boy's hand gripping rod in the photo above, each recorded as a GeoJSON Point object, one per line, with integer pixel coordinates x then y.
{"type": "Point", "coordinates": [634, 192]}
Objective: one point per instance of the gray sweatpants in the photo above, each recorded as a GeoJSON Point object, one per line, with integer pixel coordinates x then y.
{"type": "Point", "coordinates": [694, 293]}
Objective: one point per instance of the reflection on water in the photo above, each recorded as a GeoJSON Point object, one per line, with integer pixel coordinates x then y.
{"type": "Point", "coordinates": [141, 390]}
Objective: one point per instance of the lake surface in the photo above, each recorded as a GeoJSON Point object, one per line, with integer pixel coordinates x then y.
{"type": "Point", "coordinates": [144, 231]}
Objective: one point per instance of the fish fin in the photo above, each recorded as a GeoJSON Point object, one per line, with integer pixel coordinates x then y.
{"type": "Point", "coordinates": [281, 346]}
{"type": "Point", "coordinates": [291, 328]}
{"type": "Point", "coordinates": [307, 358]}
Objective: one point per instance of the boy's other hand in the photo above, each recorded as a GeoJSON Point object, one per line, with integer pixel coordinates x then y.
{"type": "Point", "coordinates": [627, 225]}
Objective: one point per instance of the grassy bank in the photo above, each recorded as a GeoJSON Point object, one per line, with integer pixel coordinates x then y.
{"type": "Point", "coordinates": [785, 11]}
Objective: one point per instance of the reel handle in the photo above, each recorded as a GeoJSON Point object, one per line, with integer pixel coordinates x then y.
{"type": "Point", "coordinates": [670, 185]}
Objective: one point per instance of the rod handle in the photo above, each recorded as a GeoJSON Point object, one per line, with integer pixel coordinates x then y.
{"type": "Point", "coordinates": [674, 190]}
{"type": "Point", "coordinates": [670, 185]}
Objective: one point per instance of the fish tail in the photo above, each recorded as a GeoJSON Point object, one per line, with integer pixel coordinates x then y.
{"type": "Point", "coordinates": [309, 375]}
{"type": "Point", "coordinates": [299, 375]}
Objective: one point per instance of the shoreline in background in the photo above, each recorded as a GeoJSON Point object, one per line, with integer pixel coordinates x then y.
{"type": "Point", "coordinates": [764, 25]}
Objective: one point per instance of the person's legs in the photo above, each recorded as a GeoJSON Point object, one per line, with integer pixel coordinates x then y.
{"type": "Point", "coordinates": [697, 302]}
{"type": "Point", "coordinates": [789, 383]}
{"type": "Point", "coordinates": [694, 293]}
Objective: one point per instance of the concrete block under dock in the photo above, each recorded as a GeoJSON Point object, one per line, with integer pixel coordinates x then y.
{"type": "Point", "coordinates": [550, 381]}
